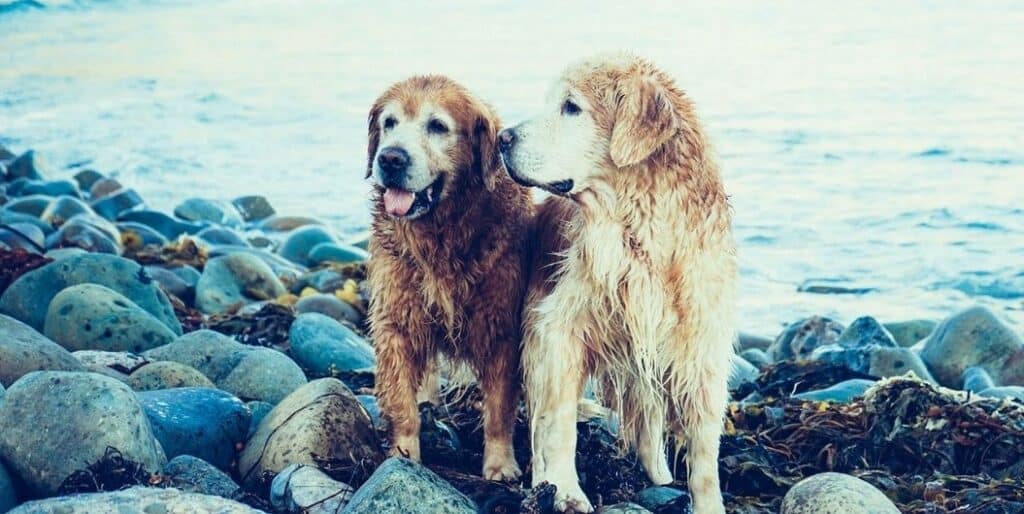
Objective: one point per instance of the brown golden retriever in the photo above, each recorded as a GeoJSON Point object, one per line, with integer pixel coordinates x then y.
{"type": "Point", "coordinates": [637, 273]}
{"type": "Point", "coordinates": [447, 269]}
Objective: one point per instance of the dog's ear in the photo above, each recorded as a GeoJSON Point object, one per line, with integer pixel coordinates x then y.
{"type": "Point", "coordinates": [644, 120]}
{"type": "Point", "coordinates": [485, 148]}
{"type": "Point", "coordinates": [373, 136]}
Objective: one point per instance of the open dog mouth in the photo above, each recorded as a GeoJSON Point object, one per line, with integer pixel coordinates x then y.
{"type": "Point", "coordinates": [401, 203]}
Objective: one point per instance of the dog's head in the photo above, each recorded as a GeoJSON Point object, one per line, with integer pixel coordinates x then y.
{"type": "Point", "coordinates": [602, 115]}
{"type": "Point", "coordinates": [429, 137]}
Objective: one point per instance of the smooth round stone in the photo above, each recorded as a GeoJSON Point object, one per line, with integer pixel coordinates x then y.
{"type": "Point", "coordinates": [23, 235]}
{"type": "Point", "coordinates": [372, 409]}
{"type": "Point", "coordinates": [799, 339]}
{"type": "Point", "coordinates": [253, 208]}
{"type": "Point", "coordinates": [52, 423]}
{"type": "Point", "coordinates": [1011, 392]}
{"type": "Point", "coordinates": [215, 235]}
{"type": "Point", "coordinates": [326, 347]}
{"type": "Point", "coordinates": [263, 374]}
{"type": "Point", "coordinates": [198, 421]}
{"type": "Point", "coordinates": [236, 279]}
{"type": "Point", "coordinates": [86, 178]}
{"type": "Point", "coordinates": [212, 211]}
{"type": "Point", "coordinates": [401, 485]}
{"type": "Point", "coordinates": [23, 350]}
{"type": "Point", "coordinates": [195, 475]}
{"type": "Point", "coordinates": [321, 280]}
{"type": "Point", "coordinates": [321, 418]}
{"type": "Point", "coordinates": [758, 358]}
{"type": "Point", "coordinates": [330, 306]}
{"type": "Point", "coordinates": [167, 375]}
{"type": "Point", "coordinates": [8, 217]}
{"type": "Point", "coordinates": [93, 317]}
{"type": "Point", "coordinates": [50, 188]}
{"type": "Point", "coordinates": [28, 298]}
{"type": "Point", "coordinates": [63, 209]}
{"type": "Point", "coordinates": [117, 365]}
{"type": "Point", "coordinates": [827, 493]}
{"type": "Point", "coordinates": [117, 203]}
{"type": "Point", "coordinates": [331, 252]}
{"type": "Point", "coordinates": [894, 362]}
{"type": "Point", "coordinates": [279, 223]}
{"type": "Point", "coordinates": [742, 372]}
{"type": "Point", "coordinates": [297, 246]}
{"type": "Point", "coordinates": [136, 235]}
{"type": "Point", "coordinates": [33, 205]}
{"type": "Point", "coordinates": [624, 508]}
{"type": "Point", "coordinates": [864, 332]}
{"type": "Point", "coordinates": [88, 232]}
{"type": "Point", "coordinates": [162, 223]}
{"type": "Point", "coordinates": [654, 497]}
{"type": "Point", "coordinates": [27, 165]}
{"type": "Point", "coordinates": [104, 187]}
{"type": "Point", "coordinates": [280, 266]}
{"type": "Point", "coordinates": [908, 333]}
{"type": "Point", "coordinates": [359, 240]}
{"type": "Point", "coordinates": [307, 490]}
{"type": "Point", "coordinates": [211, 353]}
{"type": "Point", "coordinates": [172, 283]}
{"type": "Point", "coordinates": [8, 494]}
{"type": "Point", "coordinates": [974, 337]}
{"type": "Point", "coordinates": [136, 500]}
{"type": "Point", "coordinates": [843, 392]}
{"type": "Point", "coordinates": [259, 411]}
{"type": "Point", "coordinates": [748, 341]}
{"type": "Point", "coordinates": [977, 380]}
{"type": "Point", "coordinates": [58, 254]}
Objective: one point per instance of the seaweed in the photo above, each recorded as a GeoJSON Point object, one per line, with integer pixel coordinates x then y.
{"type": "Point", "coordinates": [112, 472]}
{"type": "Point", "coordinates": [266, 327]}
{"type": "Point", "coordinates": [184, 251]}
{"type": "Point", "coordinates": [17, 262]}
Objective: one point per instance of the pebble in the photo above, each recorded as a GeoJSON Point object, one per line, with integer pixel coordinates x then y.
{"type": "Point", "coordinates": [212, 211]}
{"type": "Point", "coordinates": [23, 235]}
{"type": "Point", "coordinates": [27, 165]}
{"type": "Point", "coordinates": [624, 508]}
{"type": "Point", "coordinates": [215, 235]}
{"type": "Point", "coordinates": [117, 203]}
{"type": "Point", "coordinates": [93, 317]}
{"type": "Point", "coordinates": [321, 418]}
{"type": "Point", "coordinates": [195, 475]}
{"type": "Point", "coordinates": [166, 375]}
{"type": "Point", "coordinates": [136, 500]}
{"type": "Point", "coordinates": [828, 493]}
{"type": "Point", "coordinates": [236, 279]}
{"type": "Point", "coordinates": [401, 485]}
{"type": "Point", "coordinates": [974, 337]}
{"type": "Point", "coordinates": [867, 347]}
{"type": "Point", "coordinates": [326, 347]}
{"type": "Point", "coordinates": [48, 188]}
{"type": "Point", "coordinates": [654, 497]}
{"type": "Point", "coordinates": [278, 223]}
{"type": "Point", "coordinates": [86, 178]}
{"type": "Point", "coordinates": [162, 223]}
{"type": "Point", "coordinates": [198, 421]}
{"type": "Point", "coordinates": [843, 392]}
{"type": "Point", "coordinates": [137, 235]}
{"type": "Point", "coordinates": [8, 493]}
{"type": "Point", "coordinates": [332, 252]}
{"type": "Point", "coordinates": [53, 423]}
{"type": "Point", "coordinates": [297, 246]}
{"type": "Point", "coordinates": [976, 380]}
{"type": "Point", "coordinates": [117, 365]}
{"type": "Point", "coordinates": [253, 207]}
{"type": "Point", "coordinates": [28, 298]}
{"type": "Point", "coordinates": [799, 339]}
{"type": "Point", "coordinates": [33, 205]}
{"type": "Point", "coordinates": [62, 209]}
{"type": "Point", "coordinates": [742, 372]}
{"type": "Point", "coordinates": [1012, 392]}
{"type": "Point", "coordinates": [104, 187]}
{"type": "Point", "coordinates": [302, 489]}
{"type": "Point", "coordinates": [23, 350]}
{"type": "Point", "coordinates": [174, 283]}
{"type": "Point", "coordinates": [757, 357]}
{"type": "Point", "coordinates": [908, 333]}
{"type": "Point", "coordinates": [330, 306]}
{"type": "Point", "coordinates": [88, 232]}
{"type": "Point", "coordinates": [321, 280]}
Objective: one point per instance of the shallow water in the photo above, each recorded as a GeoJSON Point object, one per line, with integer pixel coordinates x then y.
{"type": "Point", "coordinates": [876, 145]}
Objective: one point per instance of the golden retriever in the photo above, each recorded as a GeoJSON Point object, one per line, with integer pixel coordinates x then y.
{"type": "Point", "coordinates": [637, 273]}
{"type": "Point", "coordinates": [448, 253]}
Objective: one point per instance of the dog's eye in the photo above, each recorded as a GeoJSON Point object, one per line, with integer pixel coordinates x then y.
{"type": "Point", "coordinates": [569, 108]}
{"type": "Point", "coordinates": [437, 127]}
{"type": "Point", "coordinates": [390, 122]}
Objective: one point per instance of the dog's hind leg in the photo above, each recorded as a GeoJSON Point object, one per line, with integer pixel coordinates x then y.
{"type": "Point", "coordinates": [430, 388]}
{"type": "Point", "coordinates": [500, 383]}
{"type": "Point", "coordinates": [650, 438]}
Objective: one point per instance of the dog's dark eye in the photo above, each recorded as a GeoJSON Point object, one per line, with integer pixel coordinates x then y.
{"type": "Point", "coordinates": [390, 122]}
{"type": "Point", "coordinates": [436, 127]}
{"type": "Point", "coordinates": [569, 108]}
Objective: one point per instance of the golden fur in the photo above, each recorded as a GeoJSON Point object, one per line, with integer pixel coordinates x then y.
{"type": "Point", "coordinates": [451, 282]}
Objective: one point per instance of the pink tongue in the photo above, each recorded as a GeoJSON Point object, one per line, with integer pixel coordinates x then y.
{"type": "Point", "coordinates": [398, 202]}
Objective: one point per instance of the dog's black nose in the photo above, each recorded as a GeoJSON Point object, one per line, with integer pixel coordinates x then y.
{"type": "Point", "coordinates": [393, 160]}
{"type": "Point", "coordinates": [505, 139]}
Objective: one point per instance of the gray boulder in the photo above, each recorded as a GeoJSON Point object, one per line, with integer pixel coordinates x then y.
{"type": "Point", "coordinates": [326, 347]}
{"type": "Point", "coordinates": [195, 475]}
{"type": "Point", "coordinates": [198, 421]}
{"type": "Point", "coordinates": [53, 423]}
{"type": "Point", "coordinates": [238, 278]}
{"type": "Point", "coordinates": [974, 337]}
{"type": "Point", "coordinates": [23, 350]}
{"type": "Point", "coordinates": [828, 493]}
{"type": "Point", "coordinates": [166, 375]}
{"type": "Point", "coordinates": [801, 338]}
{"type": "Point", "coordinates": [137, 500]}
{"type": "Point", "coordinates": [93, 317]}
{"type": "Point", "coordinates": [401, 485]}
{"type": "Point", "coordinates": [301, 489]}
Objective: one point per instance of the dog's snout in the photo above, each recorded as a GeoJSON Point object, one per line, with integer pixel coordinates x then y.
{"type": "Point", "coordinates": [393, 160]}
{"type": "Point", "coordinates": [505, 139]}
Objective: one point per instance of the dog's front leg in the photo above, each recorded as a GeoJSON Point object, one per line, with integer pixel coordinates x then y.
{"type": "Point", "coordinates": [500, 383]}
{"type": "Point", "coordinates": [398, 376]}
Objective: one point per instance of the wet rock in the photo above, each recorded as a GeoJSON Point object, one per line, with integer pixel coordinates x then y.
{"type": "Point", "coordinates": [28, 298]}
{"type": "Point", "coordinates": [259, 411]}
{"type": "Point", "coordinates": [830, 286]}
{"type": "Point", "coordinates": [194, 475]}
{"type": "Point", "coordinates": [974, 337]}
{"type": "Point", "coordinates": [202, 209]}
{"type": "Point", "coordinates": [26, 236]}
{"type": "Point", "coordinates": [624, 508]}
{"type": "Point", "coordinates": [88, 232]}
{"type": "Point", "coordinates": [63, 253]}
{"type": "Point", "coordinates": [321, 280]}
{"type": "Point", "coordinates": [326, 347]}
{"type": "Point", "coordinates": [23, 350]}
{"type": "Point", "coordinates": [285, 223]}
{"type": "Point", "coordinates": [166, 375]}
{"type": "Point", "coordinates": [865, 332]}
{"type": "Point", "coordinates": [236, 279]}
{"type": "Point", "coordinates": [330, 306]}
{"type": "Point", "coordinates": [104, 187]}
{"type": "Point", "coordinates": [332, 252]}
{"type": "Point", "coordinates": [49, 188]}
{"type": "Point", "coordinates": [162, 223]}
{"type": "Point", "coordinates": [253, 207]}
{"type": "Point", "coordinates": [758, 358]}
{"type": "Point", "coordinates": [799, 339]}
{"type": "Point", "coordinates": [215, 235]}
{"type": "Point", "coordinates": [8, 494]}
{"type": "Point", "coordinates": [321, 418]}
{"type": "Point", "coordinates": [301, 489]}
{"type": "Point", "coordinates": [33, 205]}
{"type": "Point", "coordinates": [62, 209]}
{"type": "Point", "coordinates": [136, 235]}
{"type": "Point", "coordinates": [93, 317]}
{"type": "Point", "coordinates": [1011, 392]}
{"type": "Point", "coordinates": [86, 178]}
{"type": "Point", "coordinates": [843, 392]}
{"type": "Point", "coordinates": [6, 155]}
{"type": "Point", "coordinates": [742, 372]}
{"type": "Point", "coordinates": [827, 493]}
{"type": "Point", "coordinates": [297, 246]}
{"type": "Point", "coordinates": [53, 423]}
{"type": "Point", "coordinates": [359, 240]}
{"type": "Point", "coordinates": [401, 485]}
{"type": "Point", "coordinates": [372, 408]}
{"type": "Point", "coordinates": [654, 497]}
{"type": "Point", "coordinates": [867, 347]}
{"type": "Point", "coordinates": [212, 353]}
{"type": "Point", "coordinates": [119, 202]}
{"type": "Point", "coordinates": [27, 165]}
{"type": "Point", "coordinates": [173, 283]}
{"type": "Point", "coordinates": [117, 365]}
{"type": "Point", "coordinates": [280, 266]}
{"type": "Point", "coordinates": [976, 380]}
{"type": "Point", "coordinates": [909, 333]}
{"type": "Point", "coordinates": [136, 500]}
{"type": "Point", "coordinates": [198, 421]}
{"type": "Point", "coordinates": [893, 362]}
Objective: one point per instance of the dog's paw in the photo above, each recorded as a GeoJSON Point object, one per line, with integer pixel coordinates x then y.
{"type": "Point", "coordinates": [502, 470]}
{"type": "Point", "coordinates": [570, 498]}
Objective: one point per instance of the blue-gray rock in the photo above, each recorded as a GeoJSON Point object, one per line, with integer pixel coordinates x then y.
{"type": "Point", "coordinates": [63, 209]}
{"type": "Point", "coordinates": [758, 358]}
{"type": "Point", "coordinates": [195, 475]}
{"type": "Point", "coordinates": [828, 493]}
{"type": "Point", "coordinates": [173, 283]}
{"type": "Point", "coordinates": [26, 236]}
{"type": "Point", "coordinates": [53, 423]}
{"type": "Point", "coordinates": [372, 408]}
{"type": "Point", "coordinates": [865, 332]}
{"type": "Point", "coordinates": [253, 208]}
{"type": "Point", "coordinates": [162, 223]}
{"type": "Point", "coordinates": [742, 372]}
{"type": "Point", "coordinates": [297, 246]}
{"type": "Point", "coordinates": [321, 418]}
{"type": "Point", "coordinates": [212, 211]}
{"type": "Point", "coordinates": [1012, 392]}
{"type": "Point", "coordinates": [212, 353]}
{"type": "Point", "coordinates": [867, 347]}
{"type": "Point", "coordinates": [136, 235]}
{"type": "Point", "coordinates": [326, 347]}
{"type": "Point", "coordinates": [217, 235]}
{"type": "Point", "coordinates": [28, 298]}
{"type": "Point", "coordinates": [799, 339]}
{"type": "Point", "coordinates": [198, 421]}
{"type": "Point", "coordinates": [33, 205]}
{"type": "Point", "coordinates": [624, 508]}
{"type": "Point", "coordinates": [8, 494]}
{"type": "Point", "coordinates": [333, 252]}
{"type": "Point", "coordinates": [136, 500]}
{"type": "Point", "coordinates": [910, 332]}
{"type": "Point", "coordinates": [401, 485]}
{"type": "Point", "coordinates": [89, 232]}
{"type": "Point", "coordinates": [654, 497]}
{"type": "Point", "coordinates": [330, 306]}
{"type": "Point", "coordinates": [843, 392]}
{"type": "Point", "coordinates": [976, 380]}
{"type": "Point", "coordinates": [974, 337]}
{"type": "Point", "coordinates": [236, 279]}
{"type": "Point", "coordinates": [93, 317]}
{"type": "Point", "coordinates": [322, 280]}
{"type": "Point", "coordinates": [104, 187]}
{"type": "Point", "coordinates": [280, 266]}
{"type": "Point", "coordinates": [166, 375]}
{"type": "Point", "coordinates": [302, 489]}
{"type": "Point", "coordinates": [359, 240]}
{"type": "Point", "coordinates": [86, 178]}
{"type": "Point", "coordinates": [6, 155]}
{"type": "Point", "coordinates": [117, 365]}
{"type": "Point", "coordinates": [259, 411]}
{"type": "Point", "coordinates": [48, 188]}
{"type": "Point", "coordinates": [115, 204]}
{"type": "Point", "coordinates": [63, 253]}
{"type": "Point", "coordinates": [23, 350]}
{"type": "Point", "coordinates": [278, 223]}
{"type": "Point", "coordinates": [27, 165]}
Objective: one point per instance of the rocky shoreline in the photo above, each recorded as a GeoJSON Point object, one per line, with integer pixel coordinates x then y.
{"type": "Point", "coordinates": [215, 359]}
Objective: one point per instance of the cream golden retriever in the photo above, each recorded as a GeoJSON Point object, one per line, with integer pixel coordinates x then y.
{"type": "Point", "coordinates": [637, 273]}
